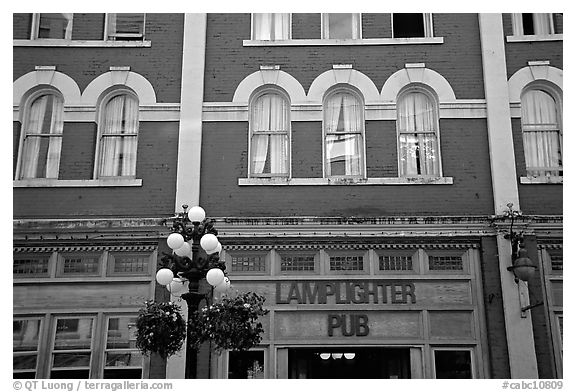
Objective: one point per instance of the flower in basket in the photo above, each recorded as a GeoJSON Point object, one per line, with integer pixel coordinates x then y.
{"type": "Point", "coordinates": [231, 324]}
{"type": "Point", "coordinates": [160, 329]}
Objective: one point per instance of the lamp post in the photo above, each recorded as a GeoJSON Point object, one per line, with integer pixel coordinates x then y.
{"type": "Point", "coordinates": [522, 266]}
{"type": "Point", "coordinates": [195, 256]}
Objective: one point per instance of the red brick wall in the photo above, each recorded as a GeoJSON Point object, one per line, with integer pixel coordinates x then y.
{"type": "Point", "coordinates": [156, 166]}
{"type": "Point", "coordinates": [161, 63]}
{"type": "Point", "coordinates": [464, 153]}
{"type": "Point", "coordinates": [458, 59]}
{"type": "Point", "coordinates": [494, 310]}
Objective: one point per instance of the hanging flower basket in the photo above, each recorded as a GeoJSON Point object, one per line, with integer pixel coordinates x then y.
{"type": "Point", "coordinates": [230, 324]}
{"type": "Point", "coordinates": [160, 329]}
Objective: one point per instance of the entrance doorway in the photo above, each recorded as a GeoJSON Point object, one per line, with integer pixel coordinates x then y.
{"type": "Point", "coordinates": [349, 362]}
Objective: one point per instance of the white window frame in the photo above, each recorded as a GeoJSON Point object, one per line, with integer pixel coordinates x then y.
{"type": "Point", "coordinates": [557, 97]}
{"type": "Point", "coordinates": [34, 352]}
{"type": "Point", "coordinates": [428, 26]}
{"type": "Point", "coordinates": [422, 90]}
{"type": "Point", "coordinates": [470, 350]}
{"type": "Point", "coordinates": [252, 32]}
{"type": "Point", "coordinates": [325, 27]}
{"type": "Point", "coordinates": [25, 120]}
{"type": "Point", "coordinates": [112, 36]}
{"type": "Point", "coordinates": [36, 26]}
{"type": "Point", "coordinates": [259, 93]}
{"type": "Point", "coordinates": [91, 350]}
{"type": "Point", "coordinates": [101, 111]}
{"type": "Point", "coordinates": [346, 89]}
{"type": "Point", "coordinates": [518, 25]}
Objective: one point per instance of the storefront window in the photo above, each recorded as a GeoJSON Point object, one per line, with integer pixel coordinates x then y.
{"type": "Point", "coordinates": [248, 364]}
{"type": "Point", "coordinates": [453, 363]}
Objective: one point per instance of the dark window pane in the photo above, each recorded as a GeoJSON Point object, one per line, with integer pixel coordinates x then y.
{"type": "Point", "coordinates": [59, 374]}
{"type": "Point", "coordinates": [123, 373]}
{"type": "Point", "coordinates": [66, 360]}
{"type": "Point", "coordinates": [31, 266]}
{"type": "Point", "coordinates": [27, 362]}
{"type": "Point", "coordinates": [24, 375]}
{"type": "Point", "coordinates": [346, 263]}
{"type": "Point", "coordinates": [297, 263]}
{"type": "Point", "coordinates": [445, 263]}
{"type": "Point", "coordinates": [452, 364]}
{"type": "Point", "coordinates": [528, 24]}
{"type": "Point", "coordinates": [408, 25]}
{"type": "Point", "coordinates": [248, 364]}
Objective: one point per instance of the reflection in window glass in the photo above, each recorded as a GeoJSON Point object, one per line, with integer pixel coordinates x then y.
{"type": "Point", "coordinates": [123, 360]}
{"type": "Point", "coordinates": [247, 364]}
{"type": "Point", "coordinates": [56, 26]}
{"type": "Point", "coordinates": [341, 26]}
{"type": "Point", "coordinates": [25, 347]}
{"type": "Point", "coordinates": [453, 364]}
{"type": "Point", "coordinates": [71, 355]}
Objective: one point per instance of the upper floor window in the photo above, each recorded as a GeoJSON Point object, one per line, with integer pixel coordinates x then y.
{"type": "Point", "coordinates": [270, 27]}
{"type": "Point", "coordinates": [118, 136]}
{"type": "Point", "coordinates": [52, 26]}
{"type": "Point", "coordinates": [412, 25]}
{"type": "Point", "coordinates": [542, 134]}
{"type": "Point", "coordinates": [125, 27]}
{"type": "Point", "coordinates": [42, 137]}
{"type": "Point", "coordinates": [417, 125]}
{"type": "Point", "coordinates": [533, 24]}
{"type": "Point", "coordinates": [269, 139]}
{"type": "Point", "coordinates": [343, 134]}
{"type": "Point", "coordinates": [341, 26]}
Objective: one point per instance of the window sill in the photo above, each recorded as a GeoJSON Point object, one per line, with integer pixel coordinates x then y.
{"type": "Point", "coordinates": [542, 180]}
{"type": "Point", "coordinates": [532, 38]}
{"type": "Point", "coordinates": [82, 43]}
{"type": "Point", "coordinates": [55, 183]}
{"type": "Point", "coordinates": [347, 181]}
{"type": "Point", "coordinates": [344, 42]}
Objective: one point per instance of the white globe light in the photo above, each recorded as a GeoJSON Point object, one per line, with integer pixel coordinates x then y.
{"type": "Point", "coordinates": [336, 355]}
{"type": "Point", "coordinates": [215, 276]}
{"type": "Point", "coordinates": [196, 214]}
{"type": "Point", "coordinates": [349, 355]}
{"type": "Point", "coordinates": [164, 276]}
{"type": "Point", "coordinates": [325, 355]}
{"type": "Point", "coordinates": [209, 242]}
{"type": "Point", "coordinates": [175, 241]}
{"type": "Point", "coordinates": [215, 250]}
{"type": "Point", "coordinates": [184, 250]}
{"type": "Point", "coordinates": [222, 287]}
{"type": "Point", "coordinates": [177, 286]}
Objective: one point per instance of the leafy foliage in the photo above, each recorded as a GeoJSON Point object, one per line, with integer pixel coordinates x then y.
{"type": "Point", "coordinates": [160, 329]}
{"type": "Point", "coordinates": [230, 324]}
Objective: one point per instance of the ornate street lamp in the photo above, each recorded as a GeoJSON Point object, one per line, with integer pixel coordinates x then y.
{"type": "Point", "coordinates": [195, 256]}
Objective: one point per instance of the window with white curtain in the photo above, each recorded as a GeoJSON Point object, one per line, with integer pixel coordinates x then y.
{"type": "Point", "coordinates": [42, 137]}
{"type": "Point", "coordinates": [118, 136]}
{"type": "Point", "coordinates": [541, 133]}
{"type": "Point", "coordinates": [341, 26]}
{"type": "Point", "coordinates": [533, 24]}
{"type": "Point", "coordinates": [270, 27]}
{"type": "Point", "coordinates": [125, 27]}
{"type": "Point", "coordinates": [417, 125]}
{"type": "Point", "coordinates": [343, 134]}
{"type": "Point", "coordinates": [52, 26]}
{"type": "Point", "coordinates": [269, 138]}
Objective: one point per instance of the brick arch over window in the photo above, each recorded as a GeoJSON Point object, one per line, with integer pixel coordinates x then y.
{"type": "Point", "coordinates": [417, 74]}
{"type": "Point", "coordinates": [348, 76]}
{"type": "Point", "coordinates": [136, 82]}
{"type": "Point", "coordinates": [46, 76]}
{"type": "Point", "coordinates": [535, 71]}
{"type": "Point", "coordinates": [271, 77]}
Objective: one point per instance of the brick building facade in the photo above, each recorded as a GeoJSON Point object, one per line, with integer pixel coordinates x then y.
{"type": "Point", "coordinates": [357, 165]}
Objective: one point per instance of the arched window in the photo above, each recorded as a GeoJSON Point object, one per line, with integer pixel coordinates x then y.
{"type": "Point", "coordinates": [541, 132]}
{"type": "Point", "coordinates": [343, 134]}
{"type": "Point", "coordinates": [118, 136]}
{"type": "Point", "coordinates": [417, 125]}
{"type": "Point", "coordinates": [269, 135]}
{"type": "Point", "coordinates": [42, 136]}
